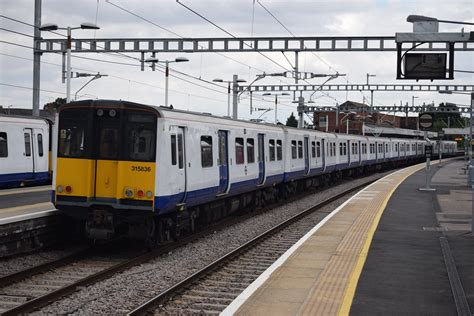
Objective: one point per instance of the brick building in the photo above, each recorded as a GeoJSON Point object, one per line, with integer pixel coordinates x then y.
{"type": "Point", "coordinates": [352, 116]}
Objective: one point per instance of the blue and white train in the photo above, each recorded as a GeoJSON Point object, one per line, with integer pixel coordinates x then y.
{"type": "Point", "coordinates": [127, 167]}
{"type": "Point", "coordinates": [24, 151]}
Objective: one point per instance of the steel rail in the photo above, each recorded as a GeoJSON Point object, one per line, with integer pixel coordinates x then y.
{"type": "Point", "coordinates": [173, 290]}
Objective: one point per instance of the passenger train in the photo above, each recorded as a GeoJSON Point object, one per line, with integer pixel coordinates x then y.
{"type": "Point", "coordinates": [24, 151]}
{"type": "Point", "coordinates": [146, 171]}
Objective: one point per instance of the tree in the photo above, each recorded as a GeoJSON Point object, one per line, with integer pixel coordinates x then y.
{"type": "Point", "coordinates": [292, 121]}
{"type": "Point", "coordinates": [54, 106]}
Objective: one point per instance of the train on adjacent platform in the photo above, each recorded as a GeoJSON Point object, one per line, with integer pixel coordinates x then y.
{"type": "Point", "coordinates": [152, 172]}
{"type": "Point", "coordinates": [25, 151]}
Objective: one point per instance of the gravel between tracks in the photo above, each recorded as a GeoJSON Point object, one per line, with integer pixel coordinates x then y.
{"type": "Point", "coordinates": [22, 262]}
{"type": "Point", "coordinates": [127, 290]}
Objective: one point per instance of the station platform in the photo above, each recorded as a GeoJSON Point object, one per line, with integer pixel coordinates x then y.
{"type": "Point", "coordinates": [390, 249]}
{"type": "Point", "coordinates": [25, 203]}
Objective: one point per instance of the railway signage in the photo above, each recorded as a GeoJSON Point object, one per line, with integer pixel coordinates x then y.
{"type": "Point", "coordinates": [428, 151]}
{"type": "Point", "coordinates": [426, 121]}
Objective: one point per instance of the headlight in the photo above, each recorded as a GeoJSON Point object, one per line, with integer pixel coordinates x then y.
{"type": "Point", "coordinates": [128, 193]}
{"type": "Point", "coordinates": [60, 189]}
{"type": "Point", "coordinates": [149, 194]}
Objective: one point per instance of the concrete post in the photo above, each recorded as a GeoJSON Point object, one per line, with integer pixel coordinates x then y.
{"type": "Point", "coordinates": [300, 112]}
{"type": "Point", "coordinates": [36, 60]}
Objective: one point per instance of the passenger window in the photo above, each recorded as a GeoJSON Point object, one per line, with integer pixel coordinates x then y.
{"type": "Point", "coordinates": [250, 150]}
{"type": "Point", "coordinates": [340, 149]}
{"type": "Point", "coordinates": [318, 149]}
{"type": "Point", "coordinates": [293, 149]}
{"type": "Point", "coordinates": [271, 146]}
{"type": "Point", "coordinates": [206, 151]}
{"type": "Point", "coordinates": [71, 142]}
{"type": "Point", "coordinates": [173, 150]}
{"type": "Point", "coordinates": [27, 144]}
{"type": "Point", "coordinates": [109, 143]}
{"type": "Point", "coordinates": [40, 145]}
{"type": "Point", "coordinates": [239, 151]}
{"type": "Point", "coordinates": [279, 150]}
{"type": "Point", "coordinates": [300, 149]}
{"type": "Point", "coordinates": [180, 151]}
{"type": "Point", "coordinates": [313, 149]}
{"type": "Point", "coordinates": [3, 145]}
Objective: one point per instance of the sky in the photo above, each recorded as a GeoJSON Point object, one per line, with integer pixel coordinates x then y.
{"type": "Point", "coordinates": [192, 88]}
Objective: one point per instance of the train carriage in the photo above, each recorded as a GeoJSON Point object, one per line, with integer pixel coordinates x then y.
{"type": "Point", "coordinates": [150, 172]}
{"type": "Point", "coordinates": [24, 151]}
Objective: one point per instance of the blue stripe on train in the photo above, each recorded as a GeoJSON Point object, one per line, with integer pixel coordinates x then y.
{"type": "Point", "coordinates": [166, 204]}
{"type": "Point", "coordinates": [14, 179]}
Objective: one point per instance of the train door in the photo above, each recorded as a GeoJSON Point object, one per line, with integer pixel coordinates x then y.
{"type": "Point", "coordinates": [261, 159]}
{"type": "Point", "coordinates": [178, 163]}
{"type": "Point", "coordinates": [223, 162]}
{"type": "Point", "coordinates": [323, 153]}
{"type": "Point", "coordinates": [376, 152]}
{"type": "Point", "coordinates": [349, 152]}
{"type": "Point", "coordinates": [306, 155]}
{"type": "Point", "coordinates": [107, 154]}
{"type": "Point", "coordinates": [359, 151]}
{"type": "Point", "coordinates": [29, 150]}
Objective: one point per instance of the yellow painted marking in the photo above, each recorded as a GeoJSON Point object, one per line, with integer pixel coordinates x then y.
{"type": "Point", "coordinates": [106, 179]}
{"type": "Point", "coordinates": [357, 271]}
{"type": "Point", "coordinates": [76, 173]}
{"type": "Point", "coordinates": [137, 176]}
{"type": "Point", "coordinates": [109, 180]}
{"type": "Point", "coordinates": [25, 190]}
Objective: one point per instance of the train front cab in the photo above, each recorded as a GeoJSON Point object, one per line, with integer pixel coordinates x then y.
{"type": "Point", "coordinates": [105, 167]}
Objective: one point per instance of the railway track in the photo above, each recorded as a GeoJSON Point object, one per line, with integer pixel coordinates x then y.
{"type": "Point", "coordinates": [212, 289]}
{"type": "Point", "coordinates": [31, 289]}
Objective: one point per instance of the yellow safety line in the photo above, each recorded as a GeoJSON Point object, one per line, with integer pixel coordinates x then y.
{"type": "Point", "coordinates": [355, 275]}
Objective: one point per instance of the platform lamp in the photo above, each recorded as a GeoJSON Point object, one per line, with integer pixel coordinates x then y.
{"type": "Point", "coordinates": [154, 60]}
{"type": "Point", "coordinates": [54, 27]}
{"type": "Point", "coordinates": [228, 90]}
{"type": "Point", "coordinates": [276, 102]}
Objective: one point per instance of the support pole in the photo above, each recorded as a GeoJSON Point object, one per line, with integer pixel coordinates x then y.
{"type": "Point", "coordinates": [276, 109]}
{"type": "Point", "coordinates": [68, 65]}
{"type": "Point", "coordinates": [36, 60]}
{"type": "Point", "coordinates": [300, 112]}
{"type": "Point", "coordinates": [167, 75]}
{"type": "Point", "coordinates": [296, 67]}
{"type": "Point", "coordinates": [235, 95]}
{"type": "Point", "coordinates": [228, 99]}
{"type": "Point", "coordinates": [427, 168]}
{"type": "Point", "coordinates": [251, 103]}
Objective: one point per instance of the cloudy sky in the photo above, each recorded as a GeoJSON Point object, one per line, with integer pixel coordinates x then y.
{"type": "Point", "coordinates": [167, 18]}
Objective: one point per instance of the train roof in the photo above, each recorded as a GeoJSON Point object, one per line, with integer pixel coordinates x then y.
{"type": "Point", "coordinates": [170, 113]}
{"type": "Point", "coordinates": [23, 118]}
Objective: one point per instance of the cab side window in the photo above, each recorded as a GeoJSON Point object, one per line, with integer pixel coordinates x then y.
{"type": "Point", "coordinates": [3, 145]}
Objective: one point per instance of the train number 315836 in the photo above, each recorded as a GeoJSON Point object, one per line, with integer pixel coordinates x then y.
{"type": "Point", "coordinates": [141, 169]}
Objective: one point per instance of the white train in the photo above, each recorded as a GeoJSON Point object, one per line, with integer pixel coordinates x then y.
{"type": "Point", "coordinates": [121, 164]}
{"type": "Point", "coordinates": [24, 151]}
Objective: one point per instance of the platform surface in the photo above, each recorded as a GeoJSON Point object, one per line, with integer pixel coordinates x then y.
{"type": "Point", "coordinates": [378, 253]}
{"type": "Point", "coordinates": [19, 203]}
